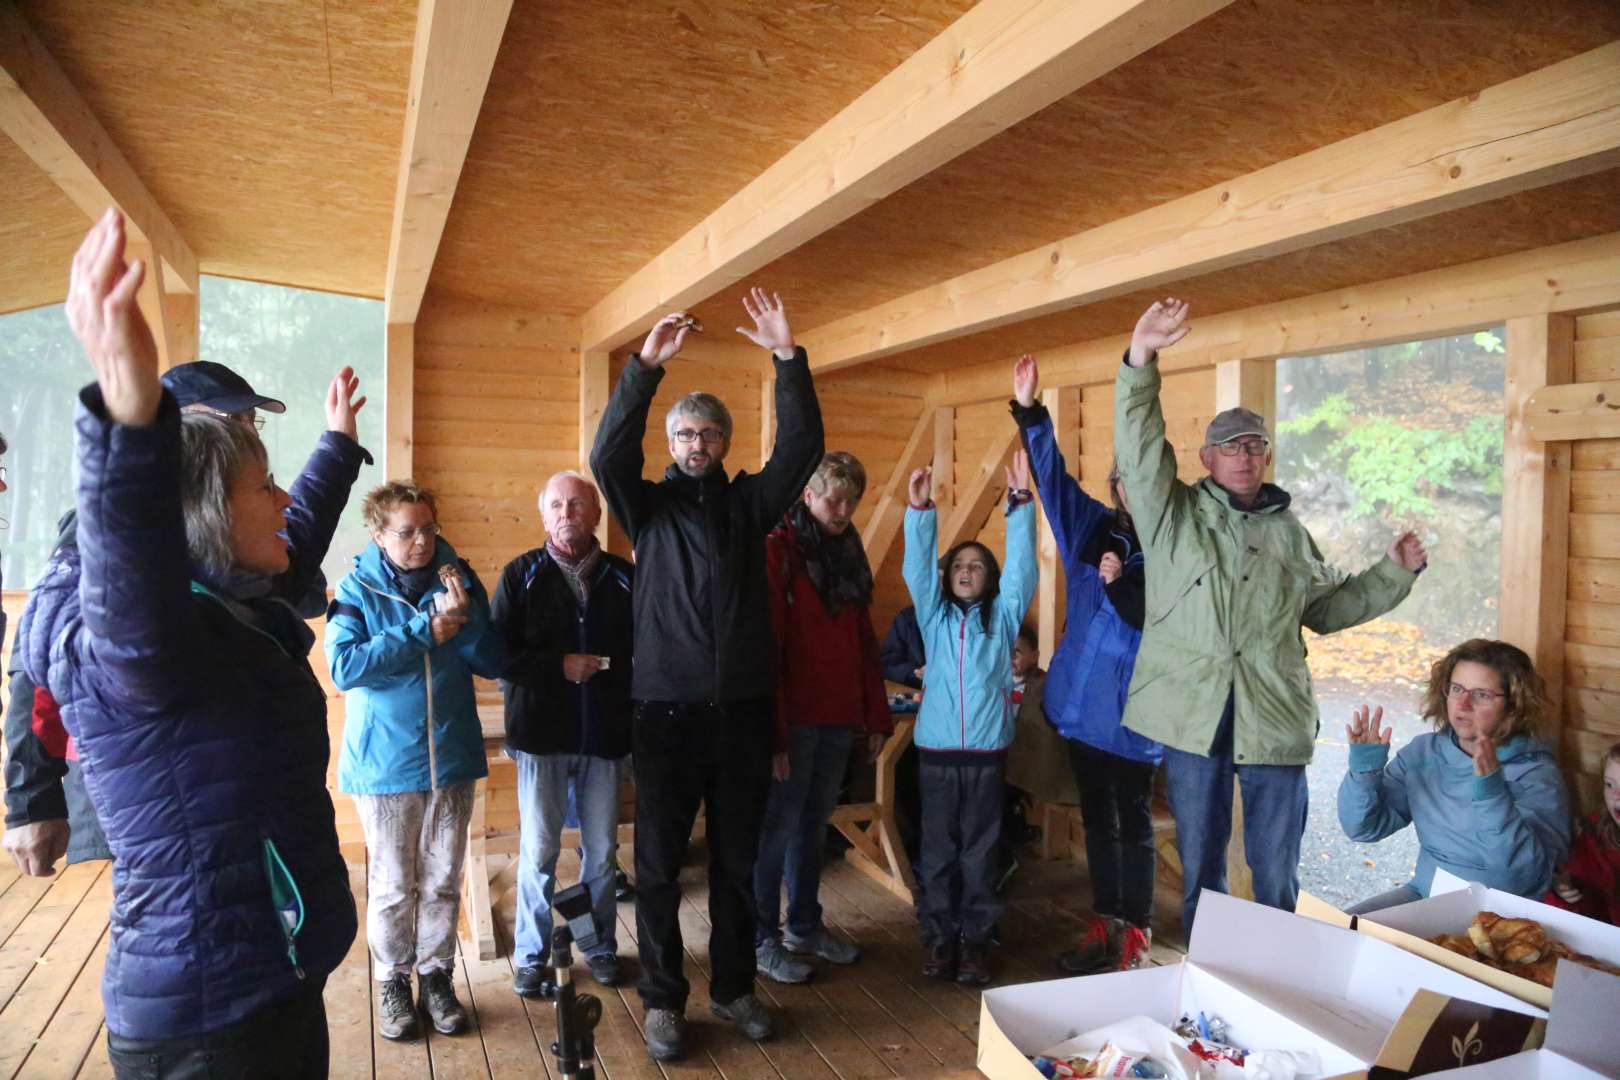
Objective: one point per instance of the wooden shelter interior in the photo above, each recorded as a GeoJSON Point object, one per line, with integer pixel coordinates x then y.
{"type": "Point", "coordinates": [932, 187]}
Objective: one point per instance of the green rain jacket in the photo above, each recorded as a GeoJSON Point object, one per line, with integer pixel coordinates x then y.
{"type": "Point", "coordinates": [1227, 593]}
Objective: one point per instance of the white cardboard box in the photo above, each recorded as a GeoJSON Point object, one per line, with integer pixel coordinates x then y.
{"type": "Point", "coordinates": [1582, 1041]}
{"type": "Point", "coordinates": [1280, 981]}
{"type": "Point", "coordinates": [1450, 912]}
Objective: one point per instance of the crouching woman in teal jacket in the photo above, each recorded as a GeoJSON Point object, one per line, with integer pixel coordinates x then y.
{"type": "Point", "coordinates": [1484, 794]}
{"type": "Point", "coordinates": [969, 612]}
{"type": "Point", "coordinates": [408, 630]}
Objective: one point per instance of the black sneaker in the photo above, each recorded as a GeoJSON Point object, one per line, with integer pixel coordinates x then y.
{"type": "Point", "coordinates": [622, 889]}
{"type": "Point", "coordinates": [439, 999]}
{"type": "Point", "coordinates": [748, 1014]}
{"type": "Point", "coordinates": [534, 982]}
{"type": "Point", "coordinates": [605, 969]}
{"type": "Point", "coordinates": [665, 1033]}
{"type": "Point", "coordinates": [396, 1012]}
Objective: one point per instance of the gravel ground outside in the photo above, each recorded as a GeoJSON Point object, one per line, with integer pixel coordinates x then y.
{"type": "Point", "coordinates": [1332, 866]}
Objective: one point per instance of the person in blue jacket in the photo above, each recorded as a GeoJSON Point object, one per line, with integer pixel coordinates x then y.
{"type": "Point", "coordinates": [1484, 794]}
{"type": "Point", "coordinates": [1090, 674]}
{"type": "Point", "coordinates": [183, 676]}
{"type": "Point", "coordinates": [969, 612]}
{"type": "Point", "coordinates": [407, 631]}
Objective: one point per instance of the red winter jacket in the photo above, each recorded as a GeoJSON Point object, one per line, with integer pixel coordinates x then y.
{"type": "Point", "coordinates": [827, 668]}
{"type": "Point", "coordinates": [1593, 868]}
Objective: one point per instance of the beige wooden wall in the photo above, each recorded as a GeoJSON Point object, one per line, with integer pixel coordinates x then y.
{"type": "Point", "coordinates": [1592, 618]}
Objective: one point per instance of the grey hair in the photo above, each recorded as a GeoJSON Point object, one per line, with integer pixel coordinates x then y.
{"type": "Point", "coordinates": [213, 451]}
{"type": "Point", "coordinates": [699, 406]}
{"type": "Point", "coordinates": [567, 474]}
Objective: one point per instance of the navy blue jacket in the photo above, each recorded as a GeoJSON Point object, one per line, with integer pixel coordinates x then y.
{"type": "Point", "coordinates": [1089, 677]}
{"type": "Point", "coordinates": [202, 732]}
{"type": "Point", "coordinates": [902, 653]}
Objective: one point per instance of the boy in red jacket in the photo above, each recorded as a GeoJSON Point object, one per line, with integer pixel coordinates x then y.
{"type": "Point", "coordinates": [829, 693]}
{"type": "Point", "coordinates": [1589, 883]}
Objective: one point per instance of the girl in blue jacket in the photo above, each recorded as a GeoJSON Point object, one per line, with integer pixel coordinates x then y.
{"type": "Point", "coordinates": [969, 612]}
{"type": "Point", "coordinates": [1485, 796]}
{"type": "Point", "coordinates": [1090, 676]}
{"type": "Point", "coordinates": [408, 630]}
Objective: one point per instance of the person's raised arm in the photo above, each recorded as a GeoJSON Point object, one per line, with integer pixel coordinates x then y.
{"type": "Point", "coordinates": [1072, 513]}
{"type": "Point", "coordinates": [1147, 464]}
{"type": "Point", "coordinates": [616, 456]}
{"type": "Point", "coordinates": [1019, 576]}
{"type": "Point", "coordinates": [321, 489]}
{"type": "Point", "coordinates": [920, 567]}
{"type": "Point", "coordinates": [1337, 600]}
{"type": "Point", "coordinates": [134, 587]}
{"type": "Point", "coordinates": [1372, 795]}
{"type": "Point", "coordinates": [800, 437]}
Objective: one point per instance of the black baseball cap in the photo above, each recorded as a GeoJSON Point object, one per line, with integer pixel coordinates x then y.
{"type": "Point", "coordinates": [203, 382]}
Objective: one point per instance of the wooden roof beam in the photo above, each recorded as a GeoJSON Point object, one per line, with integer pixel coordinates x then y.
{"type": "Point", "coordinates": [999, 63]}
{"type": "Point", "coordinates": [456, 43]}
{"type": "Point", "coordinates": [42, 112]}
{"type": "Point", "coordinates": [1554, 124]}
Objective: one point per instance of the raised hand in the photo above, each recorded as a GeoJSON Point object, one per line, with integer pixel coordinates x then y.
{"type": "Point", "coordinates": [341, 404]}
{"type": "Point", "coordinates": [1364, 727]}
{"type": "Point", "coordinates": [1161, 326]}
{"type": "Point", "coordinates": [1485, 761]}
{"type": "Point", "coordinates": [1018, 471]}
{"type": "Point", "coordinates": [1026, 380]}
{"type": "Point", "coordinates": [665, 339]}
{"type": "Point", "coordinates": [104, 315]}
{"type": "Point", "coordinates": [1407, 551]}
{"type": "Point", "coordinates": [1109, 567]}
{"type": "Point", "coordinates": [454, 599]}
{"type": "Point", "coordinates": [771, 330]}
{"type": "Point", "coordinates": [920, 489]}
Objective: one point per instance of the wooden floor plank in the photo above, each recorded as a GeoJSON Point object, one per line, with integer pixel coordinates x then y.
{"type": "Point", "coordinates": [62, 1049]}
{"type": "Point", "coordinates": [40, 927]}
{"type": "Point", "coordinates": [26, 1016]}
{"type": "Point", "coordinates": [19, 899]}
{"type": "Point", "coordinates": [511, 1045]}
{"type": "Point", "coordinates": [348, 996]}
{"type": "Point", "coordinates": [96, 1066]}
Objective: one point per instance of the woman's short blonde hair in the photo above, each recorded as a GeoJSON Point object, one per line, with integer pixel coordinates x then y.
{"type": "Point", "coordinates": [1527, 704]}
{"type": "Point", "coordinates": [384, 499]}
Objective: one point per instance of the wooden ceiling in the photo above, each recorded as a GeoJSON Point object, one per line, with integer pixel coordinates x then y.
{"type": "Point", "coordinates": [270, 134]}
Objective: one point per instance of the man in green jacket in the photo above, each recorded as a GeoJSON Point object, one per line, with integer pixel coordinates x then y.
{"type": "Point", "coordinates": [1220, 678]}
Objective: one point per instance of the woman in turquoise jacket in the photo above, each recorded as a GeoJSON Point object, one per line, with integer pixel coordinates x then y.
{"type": "Point", "coordinates": [1485, 796]}
{"type": "Point", "coordinates": [406, 634]}
{"type": "Point", "coordinates": [969, 612]}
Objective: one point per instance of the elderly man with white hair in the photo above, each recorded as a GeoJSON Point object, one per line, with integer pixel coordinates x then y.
{"type": "Point", "coordinates": [564, 612]}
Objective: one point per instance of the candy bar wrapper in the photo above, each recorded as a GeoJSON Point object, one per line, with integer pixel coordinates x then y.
{"type": "Point", "coordinates": [604, 662]}
{"type": "Point", "coordinates": [1437, 1032]}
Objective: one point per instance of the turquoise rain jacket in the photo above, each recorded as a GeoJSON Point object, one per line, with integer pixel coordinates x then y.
{"type": "Point", "coordinates": [967, 688]}
{"type": "Point", "coordinates": [411, 719]}
{"type": "Point", "coordinates": [1508, 830]}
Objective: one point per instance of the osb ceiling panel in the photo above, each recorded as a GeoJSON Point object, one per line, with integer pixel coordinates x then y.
{"type": "Point", "coordinates": [1573, 210]}
{"type": "Point", "coordinates": [611, 129]}
{"type": "Point", "coordinates": [269, 132]}
{"type": "Point", "coordinates": [1256, 83]}
{"type": "Point", "coordinates": [39, 231]}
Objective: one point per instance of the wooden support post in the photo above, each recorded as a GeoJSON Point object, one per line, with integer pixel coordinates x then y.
{"type": "Point", "coordinates": [944, 460]}
{"type": "Point", "coordinates": [479, 920]}
{"type": "Point", "coordinates": [1535, 507]}
{"type": "Point", "coordinates": [891, 507]}
{"type": "Point", "coordinates": [1051, 602]}
{"type": "Point", "coordinates": [171, 314]}
{"type": "Point", "coordinates": [767, 417]}
{"type": "Point", "coordinates": [399, 377]}
{"type": "Point", "coordinates": [595, 387]}
{"type": "Point", "coordinates": [978, 494]}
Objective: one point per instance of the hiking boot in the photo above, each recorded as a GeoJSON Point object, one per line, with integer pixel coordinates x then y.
{"type": "Point", "coordinates": [665, 1033]}
{"type": "Point", "coordinates": [747, 1014]}
{"type": "Point", "coordinates": [605, 969]}
{"type": "Point", "coordinates": [973, 964]}
{"type": "Point", "coordinates": [534, 982]}
{"type": "Point", "coordinates": [439, 999]}
{"type": "Point", "coordinates": [622, 889]}
{"type": "Point", "coordinates": [939, 961]}
{"type": "Point", "coordinates": [396, 1011]}
{"type": "Point", "coordinates": [822, 943]}
{"type": "Point", "coordinates": [773, 961]}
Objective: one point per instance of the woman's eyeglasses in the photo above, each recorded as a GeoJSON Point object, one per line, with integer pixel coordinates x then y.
{"type": "Point", "coordinates": [424, 532]}
{"type": "Point", "coordinates": [1478, 695]}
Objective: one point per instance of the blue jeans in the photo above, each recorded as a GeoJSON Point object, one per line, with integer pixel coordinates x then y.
{"type": "Point", "coordinates": [796, 813]}
{"type": "Point", "coordinates": [543, 781]}
{"type": "Point", "coordinates": [1275, 800]}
